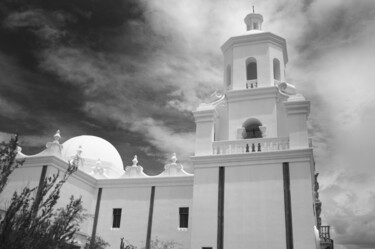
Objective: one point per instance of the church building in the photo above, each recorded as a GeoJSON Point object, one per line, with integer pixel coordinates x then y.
{"type": "Point", "coordinates": [254, 183]}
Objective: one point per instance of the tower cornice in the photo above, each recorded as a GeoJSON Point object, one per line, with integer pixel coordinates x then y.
{"type": "Point", "coordinates": [255, 93]}
{"type": "Point", "coordinates": [253, 38]}
{"type": "Point", "coordinates": [298, 107]}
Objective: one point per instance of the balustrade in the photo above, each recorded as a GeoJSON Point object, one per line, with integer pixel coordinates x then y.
{"type": "Point", "coordinates": [250, 146]}
{"type": "Point", "coordinates": [251, 84]}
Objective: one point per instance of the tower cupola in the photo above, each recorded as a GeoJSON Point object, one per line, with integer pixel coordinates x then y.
{"type": "Point", "coordinates": [255, 58]}
{"type": "Point", "coordinates": [253, 21]}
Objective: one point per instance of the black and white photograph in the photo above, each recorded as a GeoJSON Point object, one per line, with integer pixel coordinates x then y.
{"type": "Point", "coordinates": [187, 124]}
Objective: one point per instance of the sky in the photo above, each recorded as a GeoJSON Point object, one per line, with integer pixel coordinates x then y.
{"type": "Point", "coordinates": [132, 72]}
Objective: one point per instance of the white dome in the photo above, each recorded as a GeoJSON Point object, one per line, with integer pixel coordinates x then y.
{"type": "Point", "coordinates": [94, 149]}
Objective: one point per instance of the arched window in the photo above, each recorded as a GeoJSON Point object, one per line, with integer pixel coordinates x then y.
{"type": "Point", "coordinates": [251, 129]}
{"type": "Point", "coordinates": [251, 69]}
{"type": "Point", "coordinates": [229, 75]}
{"type": "Point", "coordinates": [276, 69]}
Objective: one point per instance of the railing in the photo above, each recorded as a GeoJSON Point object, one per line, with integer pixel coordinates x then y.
{"type": "Point", "coordinates": [324, 232]}
{"type": "Point", "coordinates": [251, 84]}
{"type": "Point", "coordinates": [255, 145]}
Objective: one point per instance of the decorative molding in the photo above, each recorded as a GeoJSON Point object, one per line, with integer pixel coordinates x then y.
{"type": "Point", "coordinates": [146, 182]}
{"type": "Point", "coordinates": [262, 37]}
{"type": "Point", "coordinates": [134, 170]}
{"type": "Point", "coordinates": [297, 107]}
{"type": "Point", "coordinates": [82, 176]}
{"type": "Point", "coordinates": [174, 168]}
{"type": "Point", "coordinates": [263, 129]}
{"type": "Point", "coordinates": [59, 164]}
{"type": "Point", "coordinates": [255, 93]}
{"type": "Point", "coordinates": [204, 115]}
{"type": "Point", "coordinates": [52, 148]}
{"type": "Point", "coordinates": [240, 131]}
{"type": "Point", "coordinates": [253, 159]}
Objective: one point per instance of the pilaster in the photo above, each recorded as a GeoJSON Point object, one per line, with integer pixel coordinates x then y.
{"type": "Point", "coordinates": [204, 119]}
{"type": "Point", "coordinates": [297, 112]}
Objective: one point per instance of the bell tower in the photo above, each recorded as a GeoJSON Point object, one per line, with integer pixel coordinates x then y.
{"type": "Point", "coordinates": [253, 163]}
{"type": "Point", "coordinates": [254, 58]}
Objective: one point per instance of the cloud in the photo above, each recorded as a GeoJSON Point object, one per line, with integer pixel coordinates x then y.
{"type": "Point", "coordinates": [141, 67]}
{"type": "Point", "coordinates": [46, 25]}
{"type": "Point", "coordinates": [9, 108]}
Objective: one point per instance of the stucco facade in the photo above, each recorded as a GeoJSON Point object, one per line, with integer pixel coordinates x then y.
{"type": "Point", "coordinates": [253, 182]}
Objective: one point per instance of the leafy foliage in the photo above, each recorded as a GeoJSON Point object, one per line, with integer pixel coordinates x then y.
{"type": "Point", "coordinates": [99, 243]}
{"type": "Point", "coordinates": [161, 244]}
{"type": "Point", "coordinates": [31, 220]}
{"type": "Point", "coordinates": [8, 162]}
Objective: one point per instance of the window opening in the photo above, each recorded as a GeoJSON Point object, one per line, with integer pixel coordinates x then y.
{"type": "Point", "coordinates": [276, 69]}
{"type": "Point", "coordinates": [251, 129]}
{"type": "Point", "coordinates": [116, 218]}
{"type": "Point", "coordinates": [184, 217]}
{"type": "Point", "coordinates": [251, 69]}
{"type": "Point", "coordinates": [229, 75]}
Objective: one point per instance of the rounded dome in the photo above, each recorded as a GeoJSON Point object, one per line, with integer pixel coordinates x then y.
{"type": "Point", "coordinates": [94, 149]}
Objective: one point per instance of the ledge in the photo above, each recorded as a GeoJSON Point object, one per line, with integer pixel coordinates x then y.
{"type": "Point", "coordinates": [255, 93]}
{"type": "Point", "coordinates": [253, 159]}
{"type": "Point", "coordinates": [204, 115]}
{"type": "Point", "coordinates": [59, 164]}
{"type": "Point", "coordinates": [146, 182]}
{"type": "Point", "coordinates": [256, 38]}
{"type": "Point", "coordinates": [297, 107]}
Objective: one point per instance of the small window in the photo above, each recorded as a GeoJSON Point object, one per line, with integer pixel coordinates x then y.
{"type": "Point", "coordinates": [184, 217]}
{"type": "Point", "coordinates": [255, 25]}
{"type": "Point", "coordinates": [276, 69]}
{"type": "Point", "coordinates": [229, 75]}
{"type": "Point", "coordinates": [116, 218]}
{"type": "Point", "coordinates": [251, 69]}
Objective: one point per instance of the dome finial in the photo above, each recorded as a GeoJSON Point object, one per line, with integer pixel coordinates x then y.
{"type": "Point", "coordinates": [253, 9]}
{"type": "Point", "coordinates": [174, 158]}
{"type": "Point", "coordinates": [135, 160]}
{"type": "Point", "coordinates": [57, 136]}
{"type": "Point", "coordinates": [79, 150]}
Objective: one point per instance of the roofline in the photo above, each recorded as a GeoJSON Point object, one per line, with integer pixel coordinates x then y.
{"type": "Point", "coordinates": [256, 38]}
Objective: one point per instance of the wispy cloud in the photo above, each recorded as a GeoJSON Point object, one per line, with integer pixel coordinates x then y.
{"type": "Point", "coordinates": [142, 67]}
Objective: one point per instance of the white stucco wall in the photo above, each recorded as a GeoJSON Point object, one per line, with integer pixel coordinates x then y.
{"type": "Point", "coordinates": [254, 207]}
{"type": "Point", "coordinates": [134, 202]}
{"type": "Point", "coordinates": [302, 208]}
{"type": "Point", "coordinates": [282, 120]}
{"type": "Point", "coordinates": [205, 201]}
{"type": "Point", "coordinates": [241, 54]}
{"type": "Point", "coordinates": [133, 197]}
{"type": "Point", "coordinates": [165, 225]}
{"type": "Point", "coordinates": [228, 60]}
{"type": "Point", "coordinates": [276, 52]}
{"type": "Point", "coordinates": [262, 109]}
{"type": "Point", "coordinates": [20, 178]}
{"type": "Point", "coordinates": [78, 188]}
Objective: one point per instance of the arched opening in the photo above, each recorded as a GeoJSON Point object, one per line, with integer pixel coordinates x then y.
{"type": "Point", "coordinates": [251, 69]}
{"type": "Point", "coordinates": [251, 129]}
{"type": "Point", "coordinates": [276, 69]}
{"type": "Point", "coordinates": [229, 75]}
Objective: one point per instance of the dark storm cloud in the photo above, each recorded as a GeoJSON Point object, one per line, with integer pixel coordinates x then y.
{"type": "Point", "coordinates": [72, 61]}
